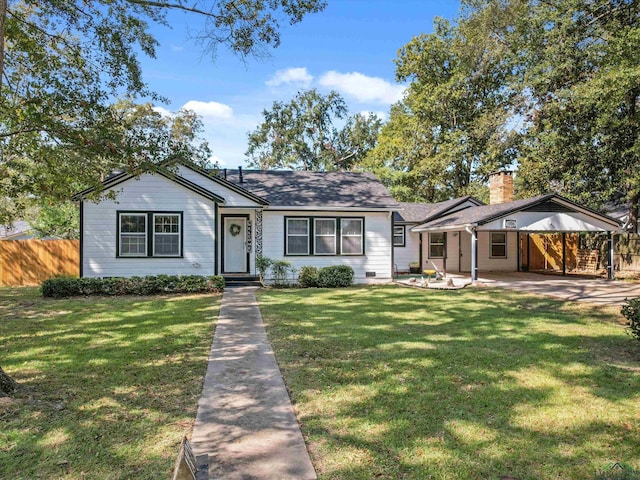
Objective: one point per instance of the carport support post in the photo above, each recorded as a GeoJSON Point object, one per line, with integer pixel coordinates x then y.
{"type": "Point", "coordinates": [474, 256]}
{"type": "Point", "coordinates": [610, 275]}
{"type": "Point", "coordinates": [564, 253]}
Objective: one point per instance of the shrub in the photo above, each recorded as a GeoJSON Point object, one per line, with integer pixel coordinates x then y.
{"type": "Point", "coordinates": [262, 265]}
{"type": "Point", "coordinates": [70, 287]}
{"type": "Point", "coordinates": [335, 277]}
{"type": "Point", "coordinates": [631, 311]}
{"type": "Point", "coordinates": [308, 277]}
{"type": "Point", "coordinates": [281, 270]}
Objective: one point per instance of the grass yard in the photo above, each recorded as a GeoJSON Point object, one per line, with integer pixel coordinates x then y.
{"type": "Point", "coordinates": [390, 382]}
{"type": "Point", "coordinates": [111, 383]}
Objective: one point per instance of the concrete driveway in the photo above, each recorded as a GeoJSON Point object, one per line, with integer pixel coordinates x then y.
{"type": "Point", "coordinates": [593, 290]}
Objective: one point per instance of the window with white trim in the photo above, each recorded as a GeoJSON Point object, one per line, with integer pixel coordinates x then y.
{"type": "Point", "coordinates": [297, 236]}
{"type": "Point", "coordinates": [133, 234]}
{"type": "Point", "coordinates": [166, 235]}
{"type": "Point", "coordinates": [324, 236]}
{"type": "Point", "coordinates": [498, 244]}
{"type": "Point", "coordinates": [436, 244]}
{"type": "Point", "coordinates": [351, 233]}
{"type": "Point", "coordinates": [398, 235]}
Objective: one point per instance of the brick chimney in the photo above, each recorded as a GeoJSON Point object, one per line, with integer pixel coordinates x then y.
{"type": "Point", "coordinates": [501, 187]}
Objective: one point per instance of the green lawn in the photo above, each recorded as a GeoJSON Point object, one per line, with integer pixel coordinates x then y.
{"type": "Point", "coordinates": [112, 384]}
{"type": "Point", "coordinates": [390, 382]}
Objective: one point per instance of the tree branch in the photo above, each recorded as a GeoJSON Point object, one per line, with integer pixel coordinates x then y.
{"type": "Point", "coordinates": [174, 6]}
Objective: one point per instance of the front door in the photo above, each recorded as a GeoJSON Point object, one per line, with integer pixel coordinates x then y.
{"type": "Point", "coordinates": [465, 252]}
{"type": "Point", "coordinates": [235, 245]}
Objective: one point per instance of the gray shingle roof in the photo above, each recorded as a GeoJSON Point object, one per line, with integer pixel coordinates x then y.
{"type": "Point", "coordinates": [486, 213]}
{"type": "Point", "coordinates": [314, 189]}
{"type": "Point", "coordinates": [422, 212]}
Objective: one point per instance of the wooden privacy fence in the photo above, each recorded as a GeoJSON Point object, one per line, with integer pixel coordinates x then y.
{"type": "Point", "coordinates": [30, 262]}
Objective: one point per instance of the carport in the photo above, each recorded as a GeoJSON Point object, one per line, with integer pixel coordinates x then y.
{"type": "Point", "coordinates": [489, 235]}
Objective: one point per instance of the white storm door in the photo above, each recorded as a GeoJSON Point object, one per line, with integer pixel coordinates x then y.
{"type": "Point", "coordinates": [235, 244]}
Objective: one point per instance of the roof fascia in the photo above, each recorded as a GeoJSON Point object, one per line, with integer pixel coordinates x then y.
{"type": "Point", "coordinates": [552, 196]}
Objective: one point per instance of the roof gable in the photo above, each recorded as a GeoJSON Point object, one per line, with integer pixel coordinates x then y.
{"type": "Point", "coordinates": [483, 215]}
{"type": "Point", "coordinates": [423, 212]}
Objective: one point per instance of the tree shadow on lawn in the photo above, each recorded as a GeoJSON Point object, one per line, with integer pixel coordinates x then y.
{"type": "Point", "coordinates": [111, 385]}
{"type": "Point", "coordinates": [412, 384]}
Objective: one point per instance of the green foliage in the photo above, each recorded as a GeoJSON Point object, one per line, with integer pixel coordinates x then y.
{"type": "Point", "coordinates": [574, 66]}
{"type": "Point", "coordinates": [59, 220]}
{"type": "Point", "coordinates": [63, 62]}
{"type": "Point", "coordinates": [338, 276]}
{"type": "Point", "coordinates": [70, 287]}
{"type": "Point", "coordinates": [308, 277]}
{"type": "Point", "coordinates": [449, 132]}
{"type": "Point", "coordinates": [301, 134]}
{"type": "Point", "coordinates": [281, 269]}
{"type": "Point", "coordinates": [262, 265]}
{"type": "Point", "coordinates": [631, 311]}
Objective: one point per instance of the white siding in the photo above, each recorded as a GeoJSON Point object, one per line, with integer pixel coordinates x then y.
{"type": "Point", "coordinates": [403, 256]}
{"type": "Point", "coordinates": [149, 193]}
{"type": "Point", "coordinates": [232, 198]}
{"type": "Point", "coordinates": [378, 244]}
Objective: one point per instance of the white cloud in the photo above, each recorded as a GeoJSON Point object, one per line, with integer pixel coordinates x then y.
{"type": "Point", "coordinates": [362, 87]}
{"type": "Point", "coordinates": [177, 48]}
{"type": "Point", "coordinates": [210, 110]}
{"type": "Point", "coordinates": [162, 111]}
{"type": "Point", "coordinates": [298, 76]}
{"type": "Point", "coordinates": [381, 115]}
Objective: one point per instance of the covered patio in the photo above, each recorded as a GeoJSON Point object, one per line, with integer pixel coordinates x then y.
{"type": "Point", "coordinates": [488, 238]}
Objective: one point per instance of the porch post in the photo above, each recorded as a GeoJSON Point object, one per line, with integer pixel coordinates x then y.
{"type": "Point", "coordinates": [519, 259]}
{"type": "Point", "coordinates": [420, 254]}
{"type": "Point", "coordinates": [474, 255]}
{"type": "Point", "coordinates": [610, 273]}
{"type": "Point", "coordinates": [564, 253]}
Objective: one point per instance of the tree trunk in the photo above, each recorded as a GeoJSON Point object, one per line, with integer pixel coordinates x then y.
{"type": "Point", "coordinates": [8, 386]}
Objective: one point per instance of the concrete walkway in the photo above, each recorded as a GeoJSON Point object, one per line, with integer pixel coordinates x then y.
{"type": "Point", "coordinates": [245, 421]}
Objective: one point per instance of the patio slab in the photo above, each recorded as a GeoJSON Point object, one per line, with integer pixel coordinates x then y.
{"type": "Point", "coordinates": [245, 421]}
{"type": "Point", "coordinates": [571, 287]}
{"type": "Point", "coordinates": [580, 289]}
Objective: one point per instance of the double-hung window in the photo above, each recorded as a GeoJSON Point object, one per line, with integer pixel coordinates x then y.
{"type": "Point", "coordinates": [297, 236]}
{"type": "Point", "coordinates": [133, 234]}
{"type": "Point", "coordinates": [398, 236]}
{"type": "Point", "coordinates": [166, 235]}
{"type": "Point", "coordinates": [351, 236]}
{"type": "Point", "coordinates": [149, 234]}
{"type": "Point", "coordinates": [436, 245]}
{"type": "Point", "coordinates": [498, 245]}
{"type": "Point", "coordinates": [324, 236]}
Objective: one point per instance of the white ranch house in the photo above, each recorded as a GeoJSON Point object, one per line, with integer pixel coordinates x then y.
{"type": "Point", "coordinates": [190, 221]}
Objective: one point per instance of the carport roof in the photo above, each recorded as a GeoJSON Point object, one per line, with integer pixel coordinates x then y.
{"type": "Point", "coordinates": [483, 214]}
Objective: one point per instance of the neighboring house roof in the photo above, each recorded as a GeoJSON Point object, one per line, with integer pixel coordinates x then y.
{"type": "Point", "coordinates": [486, 213]}
{"type": "Point", "coordinates": [423, 212]}
{"type": "Point", "coordinates": [315, 189]}
{"type": "Point", "coordinates": [18, 230]}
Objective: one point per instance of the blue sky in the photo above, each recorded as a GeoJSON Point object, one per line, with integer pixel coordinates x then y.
{"type": "Point", "coordinates": [349, 47]}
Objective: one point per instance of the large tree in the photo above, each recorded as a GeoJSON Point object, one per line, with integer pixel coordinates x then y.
{"type": "Point", "coordinates": [576, 65]}
{"type": "Point", "coordinates": [64, 62]}
{"type": "Point", "coordinates": [448, 133]}
{"type": "Point", "coordinates": [305, 134]}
